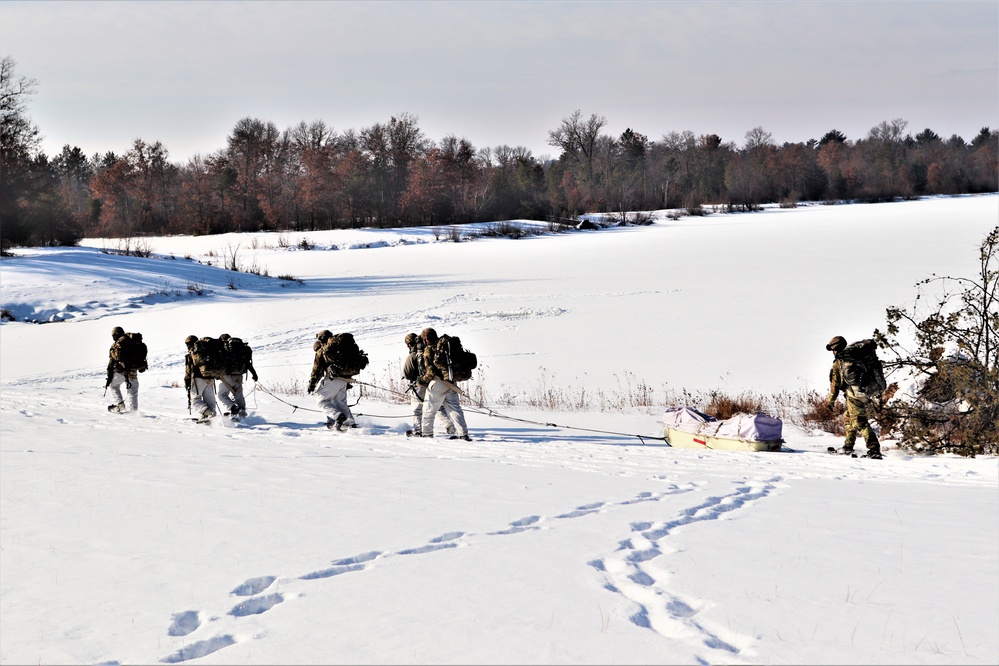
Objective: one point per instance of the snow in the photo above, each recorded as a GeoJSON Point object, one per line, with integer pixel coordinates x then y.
{"type": "Point", "coordinates": [558, 535]}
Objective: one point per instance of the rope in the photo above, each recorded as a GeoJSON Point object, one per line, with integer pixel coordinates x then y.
{"type": "Point", "coordinates": [295, 408]}
{"type": "Point", "coordinates": [478, 409]}
{"type": "Point", "coordinates": [490, 412]}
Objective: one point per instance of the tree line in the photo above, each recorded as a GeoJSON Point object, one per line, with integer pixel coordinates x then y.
{"type": "Point", "coordinates": [313, 177]}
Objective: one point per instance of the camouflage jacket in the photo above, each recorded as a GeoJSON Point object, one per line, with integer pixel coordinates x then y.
{"type": "Point", "coordinates": [837, 385]}
{"type": "Point", "coordinates": [319, 366]}
{"type": "Point", "coordinates": [836, 380]}
{"type": "Point", "coordinates": [434, 364]}
{"type": "Point", "coordinates": [414, 368]}
{"type": "Point", "coordinates": [191, 371]}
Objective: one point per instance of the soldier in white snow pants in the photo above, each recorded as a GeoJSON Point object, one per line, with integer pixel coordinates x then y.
{"type": "Point", "coordinates": [442, 394]}
{"type": "Point", "coordinates": [331, 396]}
{"type": "Point", "coordinates": [130, 379]}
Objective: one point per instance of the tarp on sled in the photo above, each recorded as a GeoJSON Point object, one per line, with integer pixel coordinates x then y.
{"type": "Point", "coordinates": [748, 427]}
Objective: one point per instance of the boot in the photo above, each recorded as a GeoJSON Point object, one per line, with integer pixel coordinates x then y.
{"type": "Point", "coordinates": [119, 408]}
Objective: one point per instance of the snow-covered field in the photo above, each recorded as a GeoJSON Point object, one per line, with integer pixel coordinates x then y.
{"type": "Point", "coordinates": [572, 536]}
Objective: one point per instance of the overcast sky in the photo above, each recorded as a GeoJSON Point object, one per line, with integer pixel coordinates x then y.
{"type": "Point", "coordinates": [183, 73]}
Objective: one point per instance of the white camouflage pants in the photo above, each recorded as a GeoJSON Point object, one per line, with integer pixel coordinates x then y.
{"type": "Point", "coordinates": [131, 383]}
{"type": "Point", "coordinates": [203, 397]}
{"type": "Point", "coordinates": [230, 393]}
{"type": "Point", "coordinates": [441, 394]}
{"type": "Point", "coordinates": [417, 396]}
{"type": "Point", "coordinates": [331, 396]}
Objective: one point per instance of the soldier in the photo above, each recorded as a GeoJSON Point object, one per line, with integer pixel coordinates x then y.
{"type": "Point", "coordinates": [239, 361]}
{"type": "Point", "coordinates": [200, 389]}
{"type": "Point", "coordinates": [858, 404]}
{"type": "Point", "coordinates": [440, 391]}
{"type": "Point", "coordinates": [337, 360]}
{"type": "Point", "coordinates": [126, 358]}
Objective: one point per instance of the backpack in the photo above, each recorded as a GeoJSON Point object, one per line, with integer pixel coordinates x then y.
{"type": "Point", "coordinates": [129, 352]}
{"type": "Point", "coordinates": [343, 355]}
{"type": "Point", "coordinates": [862, 369]}
{"type": "Point", "coordinates": [208, 355]}
{"type": "Point", "coordinates": [413, 367]}
{"type": "Point", "coordinates": [460, 361]}
{"type": "Point", "coordinates": [238, 356]}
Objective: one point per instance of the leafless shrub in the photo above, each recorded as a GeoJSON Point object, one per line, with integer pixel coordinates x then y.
{"type": "Point", "coordinates": [815, 414]}
{"type": "Point", "coordinates": [723, 406]}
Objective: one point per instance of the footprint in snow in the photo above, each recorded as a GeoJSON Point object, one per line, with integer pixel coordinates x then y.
{"type": "Point", "coordinates": [256, 605]}
{"type": "Point", "coordinates": [583, 510]}
{"type": "Point", "coordinates": [518, 526]}
{"type": "Point", "coordinates": [199, 649]}
{"type": "Point", "coordinates": [184, 623]}
{"type": "Point", "coordinates": [437, 543]}
{"type": "Point", "coordinates": [341, 566]}
{"type": "Point", "coordinates": [253, 586]}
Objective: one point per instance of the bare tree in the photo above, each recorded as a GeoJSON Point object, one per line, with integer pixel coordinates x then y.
{"type": "Point", "coordinates": [578, 139]}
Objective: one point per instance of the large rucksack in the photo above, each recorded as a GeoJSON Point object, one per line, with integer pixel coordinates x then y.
{"type": "Point", "coordinates": [208, 355]}
{"type": "Point", "coordinates": [129, 352]}
{"type": "Point", "coordinates": [862, 369]}
{"type": "Point", "coordinates": [342, 354]}
{"type": "Point", "coordinates": [460, 361]}
{"type": "Point", "coordinates": [414, 367]}
{"type": "Point", "coordinates": [238, 356]}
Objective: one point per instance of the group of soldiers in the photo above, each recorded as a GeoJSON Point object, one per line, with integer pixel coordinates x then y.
{"type": "Point", "coordinates": [203, 393]}
{"type": "Point", "coordinates": [426, 369]}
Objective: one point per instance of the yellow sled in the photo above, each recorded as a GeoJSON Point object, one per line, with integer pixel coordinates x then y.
{"type": "Point", "coordinates": [687, 428]}
{"type": "Point", "coordinates": [691, 440]}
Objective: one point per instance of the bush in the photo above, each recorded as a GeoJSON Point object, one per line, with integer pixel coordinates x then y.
{"type": "Point", "coordinates": [723, 407]}
{"type": "Point", "coordinates": [817, 414]}
{"type": "Point", "coordinates": [951, 401]}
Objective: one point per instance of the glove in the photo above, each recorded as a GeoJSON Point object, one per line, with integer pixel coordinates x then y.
{"type": "Point", "coordinates": [312, 387]}
{"type": "Point", "coordinates": [254, 376]}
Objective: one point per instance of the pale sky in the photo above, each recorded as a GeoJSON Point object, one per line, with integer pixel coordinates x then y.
{"type": "Point", "coordinates": [183, 73]}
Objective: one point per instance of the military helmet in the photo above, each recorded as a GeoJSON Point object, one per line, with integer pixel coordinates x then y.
{"type": "Point", "coordinates": [411, 339]}
{"type": "Point", "coordinates": [117, 332]}
{"type": "Point", "coordinates": [836, 344]}
{"type": "Point", "coordinates": [324, 335]}
{"type": "Point", "coordinates": [224, 337]}
{"type": "Point", "coordinates": [190, 340]}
